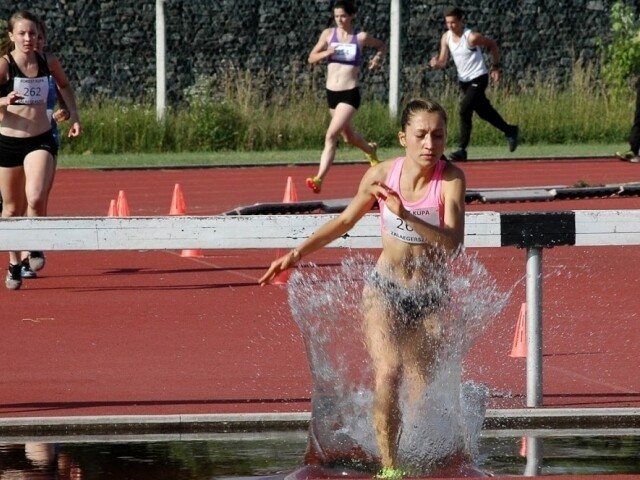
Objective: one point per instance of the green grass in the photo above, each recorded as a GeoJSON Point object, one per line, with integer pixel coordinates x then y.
{"type": "Point", "coordinates": [299, 157]}
{"type": "Point", "coordinates": [235, 122]}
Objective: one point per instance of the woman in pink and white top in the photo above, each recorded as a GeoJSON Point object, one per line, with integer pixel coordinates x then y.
{"type": "Point", "coordinates": [422, 203]}
{"type": "Point", "coordinates": [341, 46]}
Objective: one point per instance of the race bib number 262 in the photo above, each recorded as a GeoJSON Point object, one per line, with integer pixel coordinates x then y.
{"type": "Point", "coordinates": [33, 90]}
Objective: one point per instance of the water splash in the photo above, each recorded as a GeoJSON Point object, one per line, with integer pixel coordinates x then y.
{"type": "Point", "coordinates": [440, 426]}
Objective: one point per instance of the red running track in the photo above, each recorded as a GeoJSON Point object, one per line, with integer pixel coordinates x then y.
{"type": "Point", "coordinates": [111, 333]}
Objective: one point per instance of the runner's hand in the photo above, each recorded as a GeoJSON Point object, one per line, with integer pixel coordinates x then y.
{"type": "Point", "coordinates": [61, 115]}
{"type": "Point", "coordinates": [75, 130]}
{"type": "Point", "coordinates": [13, 97]}
{"type": "Point", "coordinates": [279, 265]}
{"type": "Point", "coordinates": [390, 197]}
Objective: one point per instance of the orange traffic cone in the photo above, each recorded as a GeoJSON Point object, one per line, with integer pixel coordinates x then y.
{"type": "Point", "coordinates": [122, 206]}
{"type": "Point", "coordinates": [290, 193]}
{"type": "Point", "coordinates": [192, 252]}
{"type": "Point", "coordinates": [178, 206]}
{"type": "Point", "coordinates": [519, 348]}
{"type": "Point", "coordinates": [113, 209]}
{"type": "Point", "coordinates": [290, 196]}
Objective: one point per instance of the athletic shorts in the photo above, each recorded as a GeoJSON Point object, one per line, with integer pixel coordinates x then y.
{"type": "Point", "coordinates": [13, 150]}
{"type": "Point", "coordinates": [409, 305]}
{"type": "Point", "coordinates": [350, 97]}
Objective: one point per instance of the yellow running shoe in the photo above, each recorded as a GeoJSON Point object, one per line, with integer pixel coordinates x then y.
{"type": "Point", "coordinates": [315, 184]}
{"type": "Point", "coordinates": [390, 473]}
{"type": "Point", "coordinates": [373, 157]}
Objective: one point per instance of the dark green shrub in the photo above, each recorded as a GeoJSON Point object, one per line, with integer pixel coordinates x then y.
{"type": "Point", "coordinates": [622, 56]}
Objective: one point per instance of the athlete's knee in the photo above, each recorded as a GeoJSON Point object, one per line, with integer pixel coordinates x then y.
{"type": "Point", "coordinates": [388, 377]}
{"type": "Point", "coordinates": [466, 111]}
{"type": "Point", "coordinates": [37, 202]}
{"type": "Point", "coordinates": [332, 136]}
{"type": "Point", "coordinates": [12, 209]}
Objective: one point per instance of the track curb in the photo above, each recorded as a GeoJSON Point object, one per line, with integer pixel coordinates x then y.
{"type": "Point", "coordinates": [495, 419]}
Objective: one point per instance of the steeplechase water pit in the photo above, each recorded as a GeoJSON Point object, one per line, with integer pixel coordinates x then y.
{"type": "Point", "coordinates": [278, 454]}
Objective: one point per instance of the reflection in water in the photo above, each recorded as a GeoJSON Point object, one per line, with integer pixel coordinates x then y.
{"type": "Point", "coordinates": [440, 421]}
{"type": "Point", "coordinates": [120, 458]}
{"type": "Point", "coordinates": [532, 447]}
{"type": "Point", "coordinates": [37, 461]}
{"type": "Point", "coordinates": [269, 454]}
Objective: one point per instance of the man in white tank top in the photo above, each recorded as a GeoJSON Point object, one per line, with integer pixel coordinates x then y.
{"type": "Point", "coordinates": [464, 45]}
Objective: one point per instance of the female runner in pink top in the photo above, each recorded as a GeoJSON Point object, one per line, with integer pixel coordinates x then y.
{"type": "Point", "coordinates": [429, 208]}
{"type": "Point", "coordinates": [422, 202]}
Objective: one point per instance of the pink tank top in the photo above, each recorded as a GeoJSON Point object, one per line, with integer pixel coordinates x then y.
{"type": "Point", "coordinates": [429, 208]}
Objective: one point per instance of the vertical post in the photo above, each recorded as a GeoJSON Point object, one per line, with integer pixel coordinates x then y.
{"type": "Point", "coordinates": [534, 326]}
{"type": "Point", "coordinates": [161, 73]}
{"type": "Point", "coordinates": [394, 57]}
{"type": "Point", "coordinates": [533, 467]}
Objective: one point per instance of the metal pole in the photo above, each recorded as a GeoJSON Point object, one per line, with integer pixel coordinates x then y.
{"type": "Point", "coordinates": [394, 57]}
{"type": "Point", "coordinates": [534, 457]}
{"type": "Point", "coordinates": [161, 73]}
{"type": "Point", "coordinates": [534, 326]}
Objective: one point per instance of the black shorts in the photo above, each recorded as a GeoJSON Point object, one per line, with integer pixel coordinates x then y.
{"type": "Point", "coordinates": [13, 150]}
{"type": "Point", "coordinates": [350, 97]}
{"type": "Point", "coordinates": [409, 305]}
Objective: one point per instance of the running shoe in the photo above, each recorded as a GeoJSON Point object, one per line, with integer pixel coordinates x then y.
{"type": "Point", "coordinates": [25, 269]}
{"type": "Point", "coordinates": [628, 155]}
{"type": "Point", "coordinates": [373, 157]}
{"type": "Point", "coordinates": [36, 261]}
{"type": "Point", "coordinates": [635, 159]}
{"type": "Point", "coordinates": [459, 156]}
{"type": "Point", "coordinates": [315, 184]}
{"type": "Point", "coordinates": [390, 473]}
{"type": "Point", "coordinates": [13, 280]}
{"type": "Point", "coordinates": [512, 139]}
